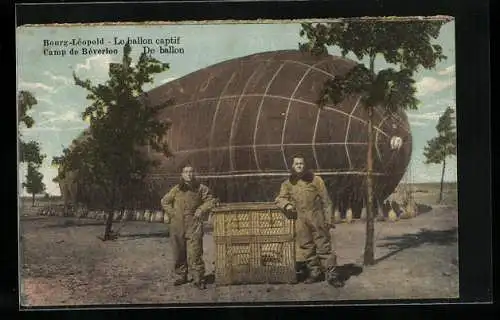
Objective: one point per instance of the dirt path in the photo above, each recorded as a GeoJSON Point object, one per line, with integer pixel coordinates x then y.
{"type": "Point", "coordinates": [65, 264]}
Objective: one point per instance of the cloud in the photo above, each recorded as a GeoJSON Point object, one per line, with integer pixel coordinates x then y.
{"type": "Point", "coordinates": [93, 62]}
{"type": "Point", "coordinates": [429, 85]}
{"type": "Point", "coordinates": [44, 91]}
{"type": "Point", "coordinates": [95, 67]}
{"type": "Point", "coordinates": [68, 116]}
{"type": "Point", "coordinates": [45, 99]}
{"type": "Point", "coordinates": [44, 116]}
{"type": "Point", "coordinates": [424, 116]}
{"type": "Point", "coordinates": [439, 104]}
{"type": "Point", "coordinates": [447, 71]}
{"type": "Point", "coordinates": [167, 80]}
{"type": "Point", "coordinates": [35, 86]}
{"type": "Point", "coordinates": [53, 121]}
{"type": "Point", "coordinates": [52, 129]}
{"type": "Point", "coordinates": [56, 78]}
{"type": "Point", "coordinates": [47, 113]}
{"type": "Point", "coordinates": [419, 123]}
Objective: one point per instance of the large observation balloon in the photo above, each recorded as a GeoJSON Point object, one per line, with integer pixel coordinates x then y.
{"type": "Point", "coordinates": [239, 122]}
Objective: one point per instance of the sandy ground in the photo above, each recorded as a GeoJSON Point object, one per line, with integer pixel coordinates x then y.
{"type": "Point", "coordinates": [63, 263]}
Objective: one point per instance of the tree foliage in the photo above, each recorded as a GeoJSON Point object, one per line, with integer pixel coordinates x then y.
{"type": "Point", "coordinates": [29, 152]}
{"type": "Point", "coordinates": [405, 44]}
{"type": "Point", "coordinates": [34, 181]}
{"type": "Point", "coordinates": [444, 144]}
{"type": "Point", "coordinates": [120, 123]}
{"type": "Point", "coordinates": [108, 155]}
{"type": "Point", "coordinates": [391, 88]}
{"type": "Point", "coordinates": [25, 101]}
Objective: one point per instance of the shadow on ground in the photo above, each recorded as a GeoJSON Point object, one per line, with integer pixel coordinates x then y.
{"type": "Point", "coordinates": [414, 240]}
{"type": "Point", "coordinates": [210, 278]}
{"type": "Point", "coordinates": [423, 208]}
{"type": "Point", "coordinates": [133, 236]}
{"type": "Point", "coordinates": [344, 272]}
{"type": "Point", "coordinates": [75, 223]}
{"type": "Point", "coordinates": [31, 218]}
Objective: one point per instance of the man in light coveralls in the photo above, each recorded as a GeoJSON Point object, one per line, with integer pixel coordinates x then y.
{"type": "Point", "coordinates": [186, 204]}
{"type": "Point", "coordinates": [304, 194]}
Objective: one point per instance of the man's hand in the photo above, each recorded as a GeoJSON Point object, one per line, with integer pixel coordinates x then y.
{"type": "Point", "coordinates": [290, 211]}
{"type": "Point", "coordinates": [166, 218]}
{"type": "Point", "coordinates": [198, 214]}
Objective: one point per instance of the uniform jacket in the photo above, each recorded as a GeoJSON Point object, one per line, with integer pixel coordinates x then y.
{"type": "Point", "coordinates": [184, 200]}
{"type": "Point", "coordinates": [308, 194]}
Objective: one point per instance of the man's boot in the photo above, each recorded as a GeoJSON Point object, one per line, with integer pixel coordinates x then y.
{"type": "Point", "coordinates": [334, 278]}
{"type": "Point", "coordinates": [199, 282]}
{"type": "Point", "coordinates": [315, 275]}
{"type": "Point", "coordinates": [180, 281]}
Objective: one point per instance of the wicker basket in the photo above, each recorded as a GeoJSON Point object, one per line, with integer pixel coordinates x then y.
{"type": "Point", "coordinates": [255, 243]}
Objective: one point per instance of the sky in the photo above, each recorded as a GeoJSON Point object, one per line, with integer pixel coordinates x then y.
{"type": "Point", "coordinates": [60, 102]}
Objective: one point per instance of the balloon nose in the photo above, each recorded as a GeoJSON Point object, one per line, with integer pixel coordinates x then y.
{"type": "Point", "coordinates": [396, 142]}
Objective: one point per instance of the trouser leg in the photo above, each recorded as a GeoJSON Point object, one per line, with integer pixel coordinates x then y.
{"type": "Point", "coordinates": [322, 240]}
{"type": "Point", "coordinates": [179, 253]}
{"type": "Point", "coordinates": [331, 261]}
{"type": "Point", "coordinates": [196, 264]}
{"type": "Point", "coordinates": [307, 245]}
{"type": "Point", "coordinates": [194, 240]}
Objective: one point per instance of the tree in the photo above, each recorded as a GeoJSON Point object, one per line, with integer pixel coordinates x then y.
{"type": "Point", "coordinates": [406, 44]}
{"type": "Point", "coordinates": [25, 101]}
{"type": "Point", "coordinates": [29, 152]}
{"type": "Point", "coordinates": [34, 182]}
{"type": "Point", "coordinates": [109, 158]}
{"type": "Point", "coordinates": [443, 145]}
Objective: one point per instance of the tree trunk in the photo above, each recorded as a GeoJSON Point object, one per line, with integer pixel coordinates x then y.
{"type": "Point", "coordinates": [109, 219]}
{"type": "Point", "coordinates": [109, 225]}
{"type": "Point", "coordinates": [442, 181]}
{"type": "Point", "coordinates": [369, 255]}
{"type": "Point", "coordinates": [33, 200]}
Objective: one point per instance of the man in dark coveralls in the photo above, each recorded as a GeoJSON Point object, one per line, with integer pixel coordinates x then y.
{"type": "Point", "coordinates": [304, 194]}
{"type": "Point", "coordinates": [186, 204]}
